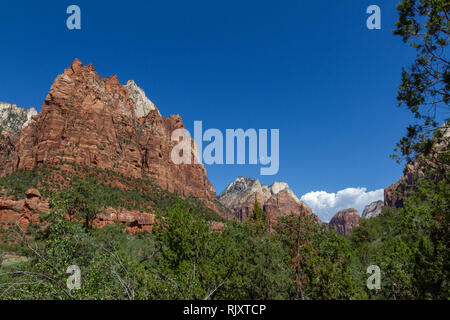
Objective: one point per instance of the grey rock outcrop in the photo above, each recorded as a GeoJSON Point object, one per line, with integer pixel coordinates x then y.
{"type": "Point", "coordinates": [373, 210]}
{"type": "Point", "coordinates": [14, 118]}
{"type": "Point", "coordinates": [142, 104]}
{"type": "Point", "coordinates": [276, 200]}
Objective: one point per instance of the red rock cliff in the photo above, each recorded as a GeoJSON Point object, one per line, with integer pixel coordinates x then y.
{"type": "Point", "coordinates": [93, 121]}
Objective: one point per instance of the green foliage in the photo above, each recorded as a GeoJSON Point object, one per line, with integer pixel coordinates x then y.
{"type": "Point", "coordinates": [19, 182]}
{"type": "Point", "coordinates": [424, 89]}
{"type": "Point", "coordinates": [82, 199]}
{"type": "Point", "coordinates": [105, 258]}
{"type": "Point", "coordinates": [410, 245]}
{"type": "Point", "coordinates": [192, 261]}
{"type": "Point", "coordinates": [183, 259]}
{"type": "Point", "coordinates": [321, 260]}
{"type": "Point", "coordinates": [263, 271]}
{"type": "Point", "coordinates": [258, 214]}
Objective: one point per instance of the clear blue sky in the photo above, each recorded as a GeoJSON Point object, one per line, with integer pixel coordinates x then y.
{"type": "Point", "coordinates": [310, 68]}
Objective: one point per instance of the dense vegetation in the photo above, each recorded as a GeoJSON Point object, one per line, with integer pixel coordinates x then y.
{"type": "Point", "coordinates": [184, 259]}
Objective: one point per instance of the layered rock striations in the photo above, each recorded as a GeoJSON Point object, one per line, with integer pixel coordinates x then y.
{"type": "Point", "coordinates": [97, 122]}
{"type": "Point", "coordinates": [276, 200]}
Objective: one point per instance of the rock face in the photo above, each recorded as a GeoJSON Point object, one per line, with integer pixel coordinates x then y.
{"type": "Point", "coordinates": [97, 122]}
{"type": "Point", "coordinates": [276, 200]}
{"type": "Point", "coordinates": [23, 211]}
{"type": "Point", "coordinates": [155, 148]}
{"type": "Point", "coordinates": [344, 221]}
{"type": "Point", "coordinates": [136, 221]}
{"type": "Point", "coordinates": [8, 142]}
{"type": "Point", "coordinates": [396, 194]}
{"type": "Point", "coordinates": [372, 210]}
{"type": "Point", "coordinates": [13, 118]}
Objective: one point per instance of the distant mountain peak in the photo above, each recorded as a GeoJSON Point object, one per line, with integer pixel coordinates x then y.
{"type": "Point", "coordinates": [277, 199]}
{"type": "Point", "coordinates": [345, 220]}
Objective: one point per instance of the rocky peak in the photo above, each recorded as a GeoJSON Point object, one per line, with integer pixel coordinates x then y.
{"type": "Point", "coordinates": [344, 221]}
{"type": "Point", "coordinates": [243, 186]}
{"type": "Point", "coordinates": [373, 210]}
{"type": "Point", "coordinates": [142, 105]}
{"type": "Point", "coordinates": [14, 118]}
{"type": "Point", "coordinates": [277, 200]}
{"type": "Point", "coordinates": [88, 120]}
{"type": "Point", "coordinates": [278, 187]}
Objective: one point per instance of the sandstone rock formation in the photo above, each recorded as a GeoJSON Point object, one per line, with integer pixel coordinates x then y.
{"type": "Point", "coordinates": [276, 200]}
{"type": "Point", "coordinates": [136, 221]}
{"type": "Point", "coordinates": [373, 210]}
{"type": "Point", "coordinates": [344, 221]}
{"type": "Point", "coordinates": [395, 195]}
{"type": "Point", "coordinates": [97, 122]}
{"type": "Point", "coordinates": [24, 211]}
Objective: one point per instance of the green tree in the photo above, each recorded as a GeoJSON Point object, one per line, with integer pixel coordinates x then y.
{"type": "Point", "coordinates": [192, 262]}
{"type": "Point", "coordinates": [296, 233]}
{"type": "Point", "coordinates": [258, 214]}
{"type": "Point", "coordinates": [83, 199]}
{"type": "Point", "coordinates": [322, 260]}
{"type": "Point", "coordinates": [424, 88]}
{"type": "Point", "coordinates": [262, 270]}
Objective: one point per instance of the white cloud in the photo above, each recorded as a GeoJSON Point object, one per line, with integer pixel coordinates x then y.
{"type": "Point", "coordinates": [325, 204]}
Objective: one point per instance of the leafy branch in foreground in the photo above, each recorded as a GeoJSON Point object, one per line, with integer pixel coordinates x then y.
{"type": "Point", "coordinates": [424, 87]}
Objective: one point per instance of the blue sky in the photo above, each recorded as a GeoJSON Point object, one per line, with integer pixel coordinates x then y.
{"type": "Point", "coordinates": [310, 68]}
